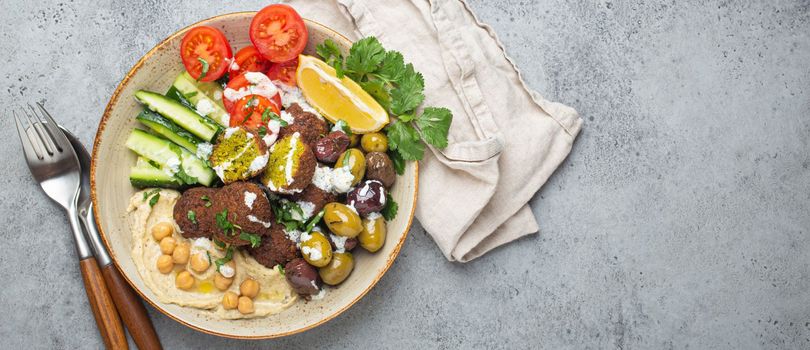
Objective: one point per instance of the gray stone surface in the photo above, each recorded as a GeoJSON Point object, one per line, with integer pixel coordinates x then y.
{"type": "Point", "coordinates": [680, 220]}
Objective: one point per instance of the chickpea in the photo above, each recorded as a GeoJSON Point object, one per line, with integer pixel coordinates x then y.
{"type": "Point", "coordinates": [162, 230]}
{"type": "Point", "coordinates": [221, 282]}
{"type": "Point", "coordinates": [165, 264]}
{"type": "Point", "coordinates": [167, 245]}
{"type": "Point", "coordinates": [230, 300]}
{"type": "Point", "coordinates": [249, 288]}
{"type": "Point", "coordinates": [184, 280]}
{"type": "Point", "coordinates": [199, 262]}
{"type": "Point", "coordinates": [245, 305]}
{"type": "Point", "coordinates": [181, 253]}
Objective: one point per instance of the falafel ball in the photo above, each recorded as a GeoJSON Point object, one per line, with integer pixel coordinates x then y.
{"type": "Point", "coordinates": [291, 165]}
{"type": "Point", "coordinates": [275, 249]}
{"type": "Point", "coordinates": [247, 207]}
{"type": "Point", "coordinates": [195, 200]}
{"type": "Point", "coordinates": [309, 125]}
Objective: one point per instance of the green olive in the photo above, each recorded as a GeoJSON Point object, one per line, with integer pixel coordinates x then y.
{"type": "Point", "coordinates": [356, 161]}
{"type": "Point", "coordinates": [316, 249]}
{"type": "Point", "coordinates": [342, 220]}
{"type": "Point", "coordinates": [354, 140]}
{"type": "Point", "coordinates": [338, 269]}
{"type": "Point", "coordinates": [374, 142]}
{"type": "Point", "coordinates": [372, 237]}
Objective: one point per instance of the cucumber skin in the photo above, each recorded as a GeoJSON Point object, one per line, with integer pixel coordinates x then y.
{"type": "Point", "coordinates": [168, 129]}
{"type": "Point", "coordinates": [185, 85]}
{"type": "Point", "coordinates": [199, 126]}
{"type": "Point", "coordinates": [143, 175]}
{"type": "Point", "coordinates": [202, 173]}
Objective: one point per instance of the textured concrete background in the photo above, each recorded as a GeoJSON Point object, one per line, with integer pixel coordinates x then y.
{"type": "Point", "coordinates": [680, 220]}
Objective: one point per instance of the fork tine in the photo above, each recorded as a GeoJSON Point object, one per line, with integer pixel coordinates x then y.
{"type": "Point", "coordinates": [58, 136]}
{"type": "Point", "coordinates": [44, 140]}
{"type": "Point", "coordinates": [27, 143]}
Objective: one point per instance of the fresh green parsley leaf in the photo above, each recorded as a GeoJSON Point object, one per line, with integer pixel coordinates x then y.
{"type": "Point", "coordinates": [224, 224]}
{"type": "Point", "coordinates": [207, 201]}
{"type": "Point", "coordinates": [270, 115]}
{"type": "Point", "coordinates": [262, 131]}
{"type": "Point", "coordinates": [254, 239]}
{"type": "Point", "coordinates": [224, 260]}
{"type": "Point", "coordinates": [364, 57]}
{"type": "Point", "coordinates": [209, 257]}
{"type": "Point", "coordinates": [397, 162]}
{"type": "Point", "coordinates": [191, 94]}
{"type": "Point", "coordinates": [392, 67]}
{"type": "Point", "coordinates": [434, 124]}
{"type": "Point", "coordinates": [192, 216]}
{"type": "Point", "coordinates": [219, 243]}
{"type": "Point", "coordinates": [408, 94]}
{"type": "Point", "coordinates": [148, 194]}
{"type": "Point", "coordinates": [342, 125]}
{"type": "Point", "coordinates": [389, 211]}
{"type": "Point", "coordinates": [204, 70]}
{"type": "Point", "coordinates": [377, 89]}
{"type": "Point", "coordinates": [280, 269]}
{"type": "Point", "coordinates": [404, 139]}
{"type": "Point", "coordinates": [330, 53]}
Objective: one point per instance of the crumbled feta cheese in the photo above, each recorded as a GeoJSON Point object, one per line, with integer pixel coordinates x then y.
{"type": "Point", "coordinates": [373, 216]}
{"type": "Point", "coordinates": [202, 243]}
{"type": "Point", "coordinates": [249, 198]}
{"type": "Point", "coordinates": [173, 165]}
{"type": "Point", "coordinates": [205, 107]}
{"type": "Point", "coordinates": [314, 254]}
{"type": "Point", "coordinates": [333, 180]}
{"type": "Point", "coordinates": [340, 243]}
{"type": "Point", "coordinates": [252, 218]}
{"type": "Point", "coordinates": [204, 150]}
{"type": "Point", "coordinates": [307, 208]}
{"type": "Point", "coordinates": [305, 236]}
{"type": "Point", "coordinates": [227, 271]}
{"type": "Point", "coordinates": [287, 117]}
{"type": "Point", "coordinates": [339, 126]}
{"type": "Point", "coordinates": [260, 85]}
{"type": "Point", "coordinates": [218, 95]}
{"type": "Point", "coordinates": [229, 132]}
{"type": "Point", "coordinates": [273, 128]}
{"type": "Point", "coordinates": [220, 169]}
{"type": "Point", "coordinates": [292, 94]}
{"type": "Point", "coordinates": [321, 294]}
{"type": "Point", "coordinates": [293, 235]}
{"type": "Point", "coordinates": [234, 65]}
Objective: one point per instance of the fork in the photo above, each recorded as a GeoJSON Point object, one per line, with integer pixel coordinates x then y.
{"type": "Point", "coordinates": [55, 166]}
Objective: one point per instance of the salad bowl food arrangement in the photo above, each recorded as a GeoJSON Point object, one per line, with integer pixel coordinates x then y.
{"type": "Point", "coordinates": [253, 175]}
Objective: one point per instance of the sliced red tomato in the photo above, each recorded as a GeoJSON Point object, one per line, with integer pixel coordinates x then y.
{"type": "Point", "coordinates": [206, 44]}
{"type": "Point", "coordinates": [248, 111]}
{"type": "Point", "coordinates": [248, 59]}
{"type": "Point", "coordinates": [284, 71]}
{"type": "Point", "coordinates": [238, 82]}
{"type": "Point", "coordinates": [278, 32]}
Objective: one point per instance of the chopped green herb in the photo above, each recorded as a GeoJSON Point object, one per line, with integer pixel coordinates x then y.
{"type": "Point", "coordinates": [209, 257]}
{"type": "Point", "coordinates": [191, 94]}
{"type": "Point", "coordinates": [224, 260]}
{"type": "Point", "coordinates": [254, 239]}
{"type": "Point", "coordinates": [280, 269]}
{"type": "Point", "coordinates": [389, 211]}
{"type": "Point", "coordinates": [342, 125]}
{"type": "Point", "coordinates": [204, 70]}
{"type": "Point", "coordinates": [289, 214]}
{"type": "Point", "coordinates": [207, 201]}
{"type": "Point", "coordinates": [219, 243]}
{"type": "Point", "coordinates": [268, 115]}
{"type": "Point", "coordinates": [154, 199]}
{"type": "Point", "coordinates": [262, 131]}
{"type": "Point", "coordinates": [192, 216]}
{"type": "Point", "coordinates": [222, 221]}
{"type": "Point", "coordinates": [314, 221]}
{"type": "Point", "coordinates": [148, 194]}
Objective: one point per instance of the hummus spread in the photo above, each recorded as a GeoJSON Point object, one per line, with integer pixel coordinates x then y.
{"type": "Point", "coordinates": [275, 293]}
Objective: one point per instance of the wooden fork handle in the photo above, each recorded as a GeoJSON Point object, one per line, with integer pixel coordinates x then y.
{"type": "Point", "coordinates": [102, 304]}
{"type": "Point", "coordinates": [131, 310]}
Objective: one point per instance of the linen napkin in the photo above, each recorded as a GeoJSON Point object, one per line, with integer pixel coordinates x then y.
{"type": "Point", "coordinates": [505, 140]}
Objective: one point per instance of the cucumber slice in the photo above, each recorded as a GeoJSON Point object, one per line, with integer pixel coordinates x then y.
{"type": "Point", "coordinates": [179, 114]}
{"type": "Point", "coordinates": [144, 174]}
{"type": "Point", "coordinates": [169, 130]}
{"type": "Point", "coordinates": [180, 162]}
{"type": "Point", "coordinates": [195, 91]}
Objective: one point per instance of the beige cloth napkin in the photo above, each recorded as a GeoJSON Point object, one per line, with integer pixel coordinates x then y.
{"type": "Point", "coordinates": [505, 140]}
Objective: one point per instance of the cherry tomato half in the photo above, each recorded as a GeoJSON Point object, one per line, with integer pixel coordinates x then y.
{"type": "Point", "coordinates": [284, 71]}
{"type": "Point", "coordinates": [238, 82]}
{"type": "Point", "coordinates": [278, 32]}
{"type": "Point", "coordinates": [248, 59]}
{"type": "Point", "coordinates": [248, 111]}
{"type": "Point", "coordinates": [208, 44]}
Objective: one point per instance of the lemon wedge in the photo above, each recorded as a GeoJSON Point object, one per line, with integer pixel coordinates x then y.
{"type": "Point", "coordinates": [338, 98]}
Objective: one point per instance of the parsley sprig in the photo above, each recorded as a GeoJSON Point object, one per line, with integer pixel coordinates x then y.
{"type": "Point", "coordinates": [204, 69]}
{"type": "Point", "coordinates": [399, 88]}
{"type": "Point", "coordinates": [229, 228]}
{"type": "Point", "coordinates": [153, 196]}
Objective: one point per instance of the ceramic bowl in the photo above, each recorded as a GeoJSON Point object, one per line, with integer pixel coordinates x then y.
{"type": "Point", "coordinates": [111, 191]}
